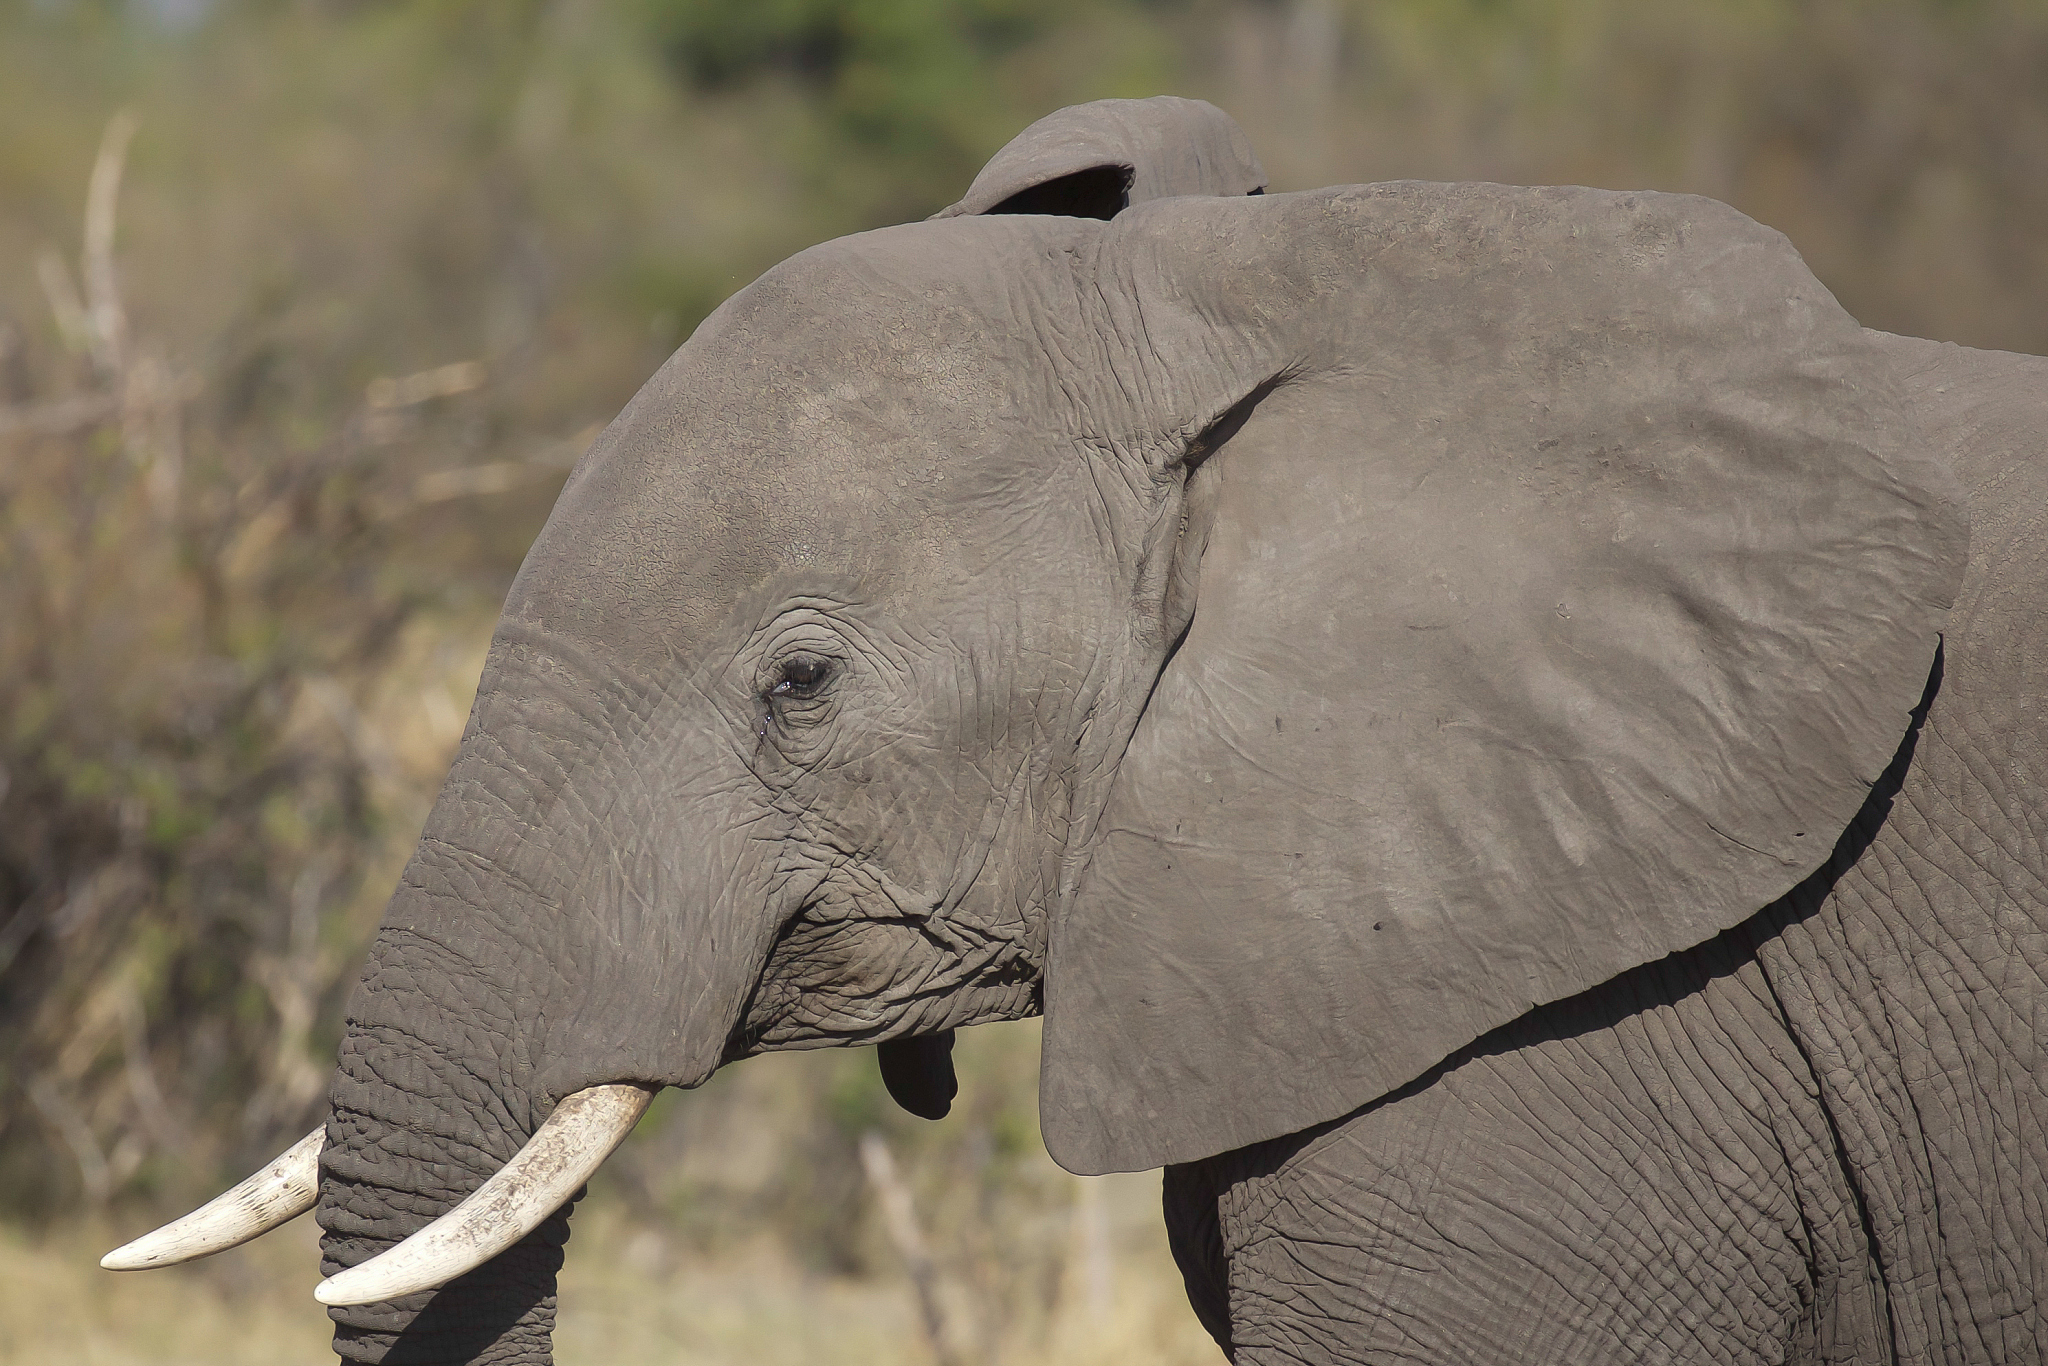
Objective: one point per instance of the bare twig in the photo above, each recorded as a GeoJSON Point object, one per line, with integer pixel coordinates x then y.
{"type": "Point", "coordinates": [364, 743]}
{"type": "Point", "coordinates": [144, 393]}
{"type": "Point", "coordinates": [153, 430]}
{"type": "Point", "coordinates": [58, 417]}
{"type": "Point", "coordinates": [498, 476]}
{"type": "Point", "coordinates": [28, 917]}
{"type": "Point", "coordinates": [72, 324]}
{"type": "Point", "coordinates": [389, 399]}
{"type": "Point", "coordinates": [495, 476]}
{"type": "Point", "coordinates": [1091, 1235]}
{"type": "Point", "coordinates": [142, 1083]}
{"type": "Point", "coordinates": [899, 1217]}
{"type": "Point", "coordinates": [292, 981]}
{"type": "Point", "coordinates": [109, 321]}
{"type": "Point", "coordinates": [63, 416]}
{"type": "Point", "coordinates": [70, 1125]}
{"type": "Point", "coordinates": [443, 381]}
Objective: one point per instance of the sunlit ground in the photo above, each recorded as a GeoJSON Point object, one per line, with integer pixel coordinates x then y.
{"type": "Point", "coordinates": [628, 1296]}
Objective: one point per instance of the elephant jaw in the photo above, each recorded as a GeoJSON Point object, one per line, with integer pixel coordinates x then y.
{"type": "Point", "coordinates": [541, 1177]}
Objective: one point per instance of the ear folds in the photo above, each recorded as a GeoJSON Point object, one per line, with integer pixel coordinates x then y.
{"type": "Point", "coordinates": [1556, 610]}
{"type": "Point", "coordinates": [1092, 192]}
{"type": "Point", "coordinates": [1095, 160]}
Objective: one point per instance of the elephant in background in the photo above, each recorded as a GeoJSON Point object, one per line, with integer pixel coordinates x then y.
{"type": "Point", "coordinates": [1499, 727]}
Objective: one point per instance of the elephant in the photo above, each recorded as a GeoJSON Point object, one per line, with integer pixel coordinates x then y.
{"type": "Point", "coordinates": [1499, 727]}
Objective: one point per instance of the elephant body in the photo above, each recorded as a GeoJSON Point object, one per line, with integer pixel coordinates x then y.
{"type": "Point", "coordinates": [1498, 727]}
{"type": "Point", "coordinates": [1821, 1136]}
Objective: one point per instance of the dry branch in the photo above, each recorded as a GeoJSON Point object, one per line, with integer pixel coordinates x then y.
{"type": "Point", "coordinates": [108, 320]}
{"type": "Point", "coordinates": [899, 1218]}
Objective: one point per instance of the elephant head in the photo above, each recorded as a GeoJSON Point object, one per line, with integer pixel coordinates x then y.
{"type": "Point", "coordinates": [1278, 637]}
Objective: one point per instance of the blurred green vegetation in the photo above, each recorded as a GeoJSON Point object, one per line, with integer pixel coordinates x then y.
{"type": "Point", "coordinates": [278, 423]}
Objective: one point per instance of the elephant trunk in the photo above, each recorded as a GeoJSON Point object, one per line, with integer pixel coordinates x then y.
{"type": "Point", "coordinates": [553, 955]}
{"type": "Point", "coordinates": [497, 1001]}
{"type": "Point", "coordinates": [524, 1193]}
{"type": "Point", "coordinates": [414, 1129]}
{"type": "Point", "coordinates": [436, 1089]}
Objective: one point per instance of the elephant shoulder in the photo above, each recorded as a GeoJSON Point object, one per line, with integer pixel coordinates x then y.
{"type": "Point", "coordinates": [1986, 414]}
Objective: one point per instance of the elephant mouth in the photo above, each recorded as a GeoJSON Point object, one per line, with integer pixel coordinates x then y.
{"type": "Point", "coordinates": [844, 973]}
{"type": "Point", "coordinates": [563, 1152]}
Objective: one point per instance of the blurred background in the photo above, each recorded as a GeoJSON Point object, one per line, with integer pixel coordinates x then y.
{"type": "Point", "coordinates": [306, 307]}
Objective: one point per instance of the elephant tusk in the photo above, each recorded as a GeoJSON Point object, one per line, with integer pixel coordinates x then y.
{"type": "Point", "coordinates": [280, 1192]}
{"type": "Point", "coordinates": [569, 1145]}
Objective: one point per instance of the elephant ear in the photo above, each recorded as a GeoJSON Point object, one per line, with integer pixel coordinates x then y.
{"type": "Point", "coordinates": [1569, 576]}
{"type": "Point", "coordinates": [1094, 160]}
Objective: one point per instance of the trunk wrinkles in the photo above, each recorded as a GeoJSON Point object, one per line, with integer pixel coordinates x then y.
{"type": "Point", "coordinates": [432, 1095]}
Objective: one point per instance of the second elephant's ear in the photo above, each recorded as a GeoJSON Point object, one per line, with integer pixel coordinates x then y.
{"type": "Point", "coordinates": [1095, 160]}
{"type": "Point", "coordinates": [1567, 573]}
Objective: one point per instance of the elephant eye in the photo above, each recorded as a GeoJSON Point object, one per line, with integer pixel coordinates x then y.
{"type": "Point", "coordinates": [801, 676]}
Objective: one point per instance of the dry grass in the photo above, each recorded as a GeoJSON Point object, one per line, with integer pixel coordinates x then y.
{"type": "Point", "coordinates": [735, 1226]}
{"type": "Point", "coordinates": [252, 1305]}
{"type": "Point", "coordinates": [630, 1295]}
{"type": "Point", "coordinates": [636, 1301]}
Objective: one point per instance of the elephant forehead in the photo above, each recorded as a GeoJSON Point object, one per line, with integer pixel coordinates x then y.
{"type": "Point", "coordinates": [658, 545]}
{"type": "Point", "coordinates": [942, 331]}
{"type": "Point", "coordinates": [838, 424]}
{"type": "Point", "coordinates": [862, 420]}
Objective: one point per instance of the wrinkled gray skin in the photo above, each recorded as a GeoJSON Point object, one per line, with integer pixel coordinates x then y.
{"type": "Point", "coordinates": [1565, 574]}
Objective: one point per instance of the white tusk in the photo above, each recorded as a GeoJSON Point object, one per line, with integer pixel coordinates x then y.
{"type": "Point", "coordinates": [282, 1191]}
{"type": "Point", "coordinates": [569, 1145]}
